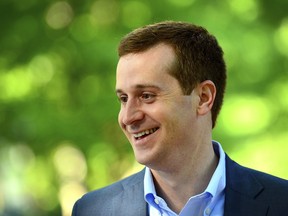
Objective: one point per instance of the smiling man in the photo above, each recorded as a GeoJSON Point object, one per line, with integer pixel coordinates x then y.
{"type": "Point", "coordinates": [170, 81]}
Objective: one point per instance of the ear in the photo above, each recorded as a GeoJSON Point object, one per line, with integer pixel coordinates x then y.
{"type": "Point", "coordinates": [206, 92]}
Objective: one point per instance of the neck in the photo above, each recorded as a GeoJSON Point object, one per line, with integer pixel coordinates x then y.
{"type": "Point", "coordinates": [187, 177]}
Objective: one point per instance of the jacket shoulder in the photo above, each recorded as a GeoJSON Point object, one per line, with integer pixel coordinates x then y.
{"type": "Point", "coordinates": [115, 188]}
{"type": "Point", "coordinates": [273, 187]}
{"type": "Point", "coordinates": [100, 200]}
{"type": "Point", "coordinates": [236, 173]}
{"type": "Point", "coordinates": [253, 190]}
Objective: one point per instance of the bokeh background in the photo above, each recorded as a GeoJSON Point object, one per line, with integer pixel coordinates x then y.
{"type": "Point", "coordinates": [59, 135]}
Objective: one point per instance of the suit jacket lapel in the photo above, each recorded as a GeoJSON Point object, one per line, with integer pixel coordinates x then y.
{"type": "Point", "coordinates": [131, 201]}
{"type": "Point", "coordinates": [241, 192]}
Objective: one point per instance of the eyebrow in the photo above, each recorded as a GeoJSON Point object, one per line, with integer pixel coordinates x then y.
{"type": "Point", "coordinates": [140, 86]}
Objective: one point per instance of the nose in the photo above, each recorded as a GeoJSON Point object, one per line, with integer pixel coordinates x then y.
{"type": "Point", "coordinates": [130, 113]}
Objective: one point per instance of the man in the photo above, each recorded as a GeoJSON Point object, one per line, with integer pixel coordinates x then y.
{"type": "Point", "coordinates": [170, 81]}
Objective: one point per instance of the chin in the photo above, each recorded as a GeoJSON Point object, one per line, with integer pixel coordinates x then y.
{"type": "Point", "coordinates": [142, 159]}
{"type": "Point", "coordinates": [147, 161]}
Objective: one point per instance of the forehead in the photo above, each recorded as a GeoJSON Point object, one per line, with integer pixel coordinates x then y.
{"type": "Point", "coordinates": [150, 66]}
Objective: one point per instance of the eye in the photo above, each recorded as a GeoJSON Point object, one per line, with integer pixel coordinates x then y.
{"type": "Point", "coordinates": [148, 97]}
{"type": "Point", "coordinates": [123, 98]}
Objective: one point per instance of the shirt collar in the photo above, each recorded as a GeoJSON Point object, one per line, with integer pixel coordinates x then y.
{"type": "Point", "coordinates": [215, 186]}
{"type": "Point", "coordinates": [218, 180]}
{"type": "Point", "coordinates": [149, 187]}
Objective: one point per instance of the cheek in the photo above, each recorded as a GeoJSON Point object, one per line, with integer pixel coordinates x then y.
{"type": "Point", "coordinates": [180, 116]}
{"type": "Point", "coordinates": [162, 116]}
{"type": "Point", "coordinates": [157, 114]}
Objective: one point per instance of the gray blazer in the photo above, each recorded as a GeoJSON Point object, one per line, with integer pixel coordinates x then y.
{"type": "Point", "coordinates": [248, 192]}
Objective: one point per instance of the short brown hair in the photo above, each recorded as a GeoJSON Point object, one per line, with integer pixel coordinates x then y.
{"type": "Point", "coordinates": [199, 57]}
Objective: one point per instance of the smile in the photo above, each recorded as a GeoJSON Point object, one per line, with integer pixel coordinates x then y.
{"type": "Point", "coordinates": [145, 133]}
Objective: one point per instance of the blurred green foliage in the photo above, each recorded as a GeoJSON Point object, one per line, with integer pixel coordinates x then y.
{"type": "Point", "coordinates": [59, 135]}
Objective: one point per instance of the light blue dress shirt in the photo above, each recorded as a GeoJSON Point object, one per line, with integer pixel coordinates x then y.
{"type": "Point", "coordinates": [210, 202]}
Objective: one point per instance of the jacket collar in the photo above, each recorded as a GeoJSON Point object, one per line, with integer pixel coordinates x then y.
{"type": "Point", "coordinates": [130, 201]}
{"type": "Point", "coordinates": [242, 190]}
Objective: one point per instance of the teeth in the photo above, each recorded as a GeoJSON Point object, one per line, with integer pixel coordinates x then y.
{"type": "Point", "coordinates": [150, 131]}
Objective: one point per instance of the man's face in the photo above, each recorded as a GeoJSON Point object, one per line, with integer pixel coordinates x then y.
{"type": "Point", "coordinates": [158, 120]}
